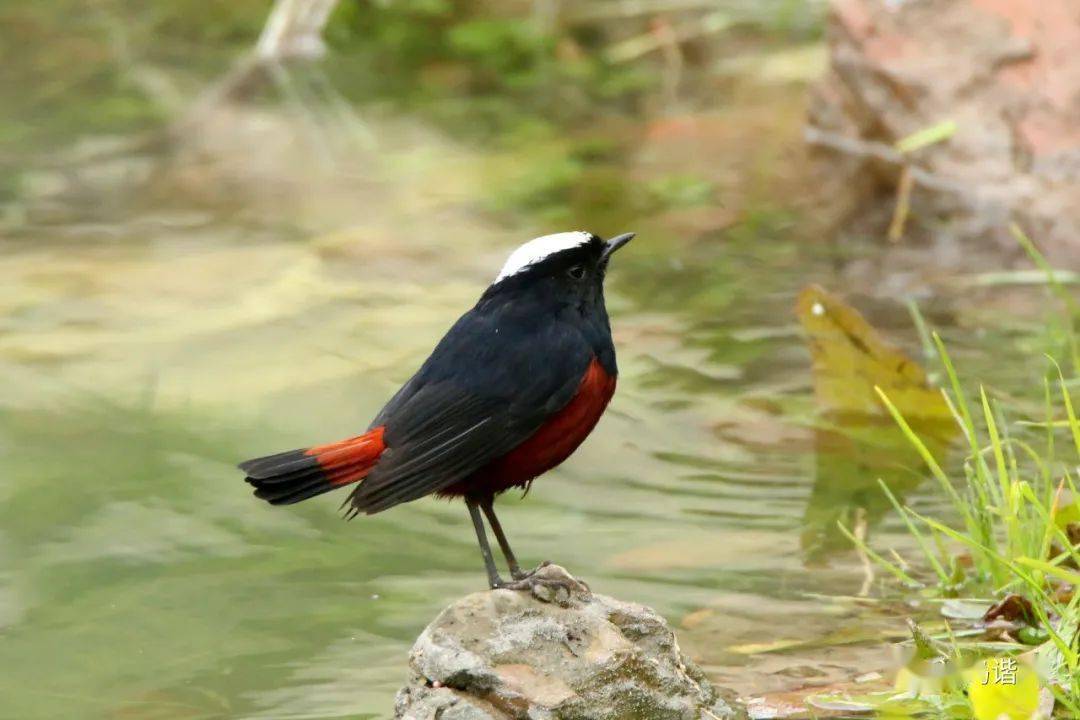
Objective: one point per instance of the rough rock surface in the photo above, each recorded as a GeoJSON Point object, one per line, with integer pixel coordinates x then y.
{"type": "Point", "coordinates": [1007, 72]}
{"type": "Point", "coordinates": [508, 654]}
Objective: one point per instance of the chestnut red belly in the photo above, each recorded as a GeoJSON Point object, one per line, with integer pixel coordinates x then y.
{"type": "Point", "coordinates": [552, 443]}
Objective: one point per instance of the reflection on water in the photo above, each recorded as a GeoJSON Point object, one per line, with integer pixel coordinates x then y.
{"type": "Point", "coordinates": [857, 445]}
{"type": "Point", "coordinates": [852, 458]}
{"type": "Point", "coordinates": [196, 320]}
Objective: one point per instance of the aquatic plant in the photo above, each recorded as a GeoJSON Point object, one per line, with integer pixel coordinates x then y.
{"type": "Point", "coordinates": [1016, 524]}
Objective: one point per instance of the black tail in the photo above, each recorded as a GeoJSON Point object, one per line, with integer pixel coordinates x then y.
{"type": "Point", "coordinates": [296, 475]}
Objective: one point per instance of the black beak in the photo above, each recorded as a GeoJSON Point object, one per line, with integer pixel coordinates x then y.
{"type": "Point", "coordinates": [614, 244]}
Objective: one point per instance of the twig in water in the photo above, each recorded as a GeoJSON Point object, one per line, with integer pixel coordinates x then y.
{"type": "Point", "coordinates": [903, 205]}
{"type": "Point", "coordinates": [884, 153]}
{"type": "Point", "coordinates": [673, 58]}
{"type": "Point", "coordinates": [859, 530]}
{"type": "Point", "coordinates": [294, 29]}
{"type": "Point", "coordinates": [634, 8]}
{"type": "Point", "coordinates": [642, 45]}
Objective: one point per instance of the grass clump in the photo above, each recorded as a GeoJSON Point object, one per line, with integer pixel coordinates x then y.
{"type": "Point", "coordinates": [1013, 535]}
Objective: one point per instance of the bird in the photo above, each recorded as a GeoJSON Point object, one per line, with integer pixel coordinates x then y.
{"type": "Point", "coordinates": [510, 392]}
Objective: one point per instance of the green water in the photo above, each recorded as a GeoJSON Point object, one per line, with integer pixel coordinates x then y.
{"type": "Point", "coordinates": [164, 315]}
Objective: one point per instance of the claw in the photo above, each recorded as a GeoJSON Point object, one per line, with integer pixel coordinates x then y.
{"type": "Point", "coordinates": [550, 583]}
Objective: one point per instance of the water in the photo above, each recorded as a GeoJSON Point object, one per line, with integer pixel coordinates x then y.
{"type": "Point", "coordinates": [160, 321]}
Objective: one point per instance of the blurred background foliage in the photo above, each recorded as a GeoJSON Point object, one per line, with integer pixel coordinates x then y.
{"type": "Point", "coordinates": [522, 73]}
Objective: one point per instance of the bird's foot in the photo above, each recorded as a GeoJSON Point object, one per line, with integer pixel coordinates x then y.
{"type": "Point", "coordinates": [520, 574]}
{"type": "Point", "coordinates": [551, 584]}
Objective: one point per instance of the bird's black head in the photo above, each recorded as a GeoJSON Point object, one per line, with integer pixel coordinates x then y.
{"type": "Point", "coordinates": [565, 270]}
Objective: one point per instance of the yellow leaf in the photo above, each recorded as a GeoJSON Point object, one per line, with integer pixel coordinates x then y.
{"type": "Point", "coordinates": [697, 617]}
{"type": "Point", "coordinates": [1003, 688]}
{"type": "Point", "coordinates": [859, 442]}
{"type": "Point", "coordinates": [917, 685]}
{"type": "Point", "coordinates": [765, 647]}
{"type": "Point", "coordinates": [851, 357]}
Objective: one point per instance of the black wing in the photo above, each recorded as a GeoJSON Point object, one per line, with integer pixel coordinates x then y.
{"type": "Point", "coordinates": [487, 387]}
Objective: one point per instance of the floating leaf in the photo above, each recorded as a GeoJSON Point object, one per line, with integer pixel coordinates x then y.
{"type": "Point", "coordinates": [766, 647]}
{"type": "Point", "coordinates": [1012, 608]}
{"type": "Point", "coordinates": [851, 358]}
{"type": "Point", "coordinates": [857, 443]}
{"type": "Point", "coordinates": [965, 609]}
{"type": "Point", "coordinates": [697, 617]}
{"type": "Point", "coordinates": [885, 705]}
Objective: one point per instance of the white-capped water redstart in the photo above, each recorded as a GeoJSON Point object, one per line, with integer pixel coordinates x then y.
{"type": "Point", "coordinates": [510, 392]}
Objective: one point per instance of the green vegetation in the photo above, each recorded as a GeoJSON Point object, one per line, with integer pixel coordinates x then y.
{"type": "Point", "coordinates": [547, 98]}
{"type": "Point", "coordinates": [1014, 535]}
{"type": "Point", "coordinates": [472, 71]}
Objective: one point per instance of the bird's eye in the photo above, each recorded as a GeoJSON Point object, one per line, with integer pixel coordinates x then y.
{"type": "Point", "coordinates": [576, 271]}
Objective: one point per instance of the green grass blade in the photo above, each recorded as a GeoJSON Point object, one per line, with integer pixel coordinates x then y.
{"type": "Point", "coordinates": [892, 568]}
{"type": "Point", "coordinates": [921, 448]}
{"type": "Point", "coordinates": [1041, 262]}
{"type": "Point", "coordinates": [961, 399]}
{"type": "Point", "coordinates": [1074, 425]}
{"type": "Point", "coordinates": [1056, 287]}
{"type": "Point", "coordinates": [931, 557]}
{"type": "Point", "coordinates": [921, 328]}
{"type": "Point", "coordinates": [1050, 569]}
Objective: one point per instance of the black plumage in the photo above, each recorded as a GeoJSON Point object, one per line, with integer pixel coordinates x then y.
{"type": "Point", "coordinates": [532, 362]}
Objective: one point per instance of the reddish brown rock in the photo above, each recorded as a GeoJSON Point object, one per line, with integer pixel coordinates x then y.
{"type": "Point", "coordinates": [1006, 71]}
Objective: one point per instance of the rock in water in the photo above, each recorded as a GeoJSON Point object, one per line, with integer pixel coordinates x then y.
{"type": "Point", "coordinates": [509, 654]}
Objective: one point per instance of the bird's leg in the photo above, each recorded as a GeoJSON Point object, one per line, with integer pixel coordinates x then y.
{"type": "Point", "coordinates": [488, 506]}
{"type": "Point", "coordinates": [494, 580]}
{"type": "Point", "coordinates": [548, 583]}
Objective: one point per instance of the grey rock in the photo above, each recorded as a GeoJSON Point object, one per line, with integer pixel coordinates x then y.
{"type": "Point", "coordinates": [510, 654]}
{"type": "Point", "coordinates": [427, 703]}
